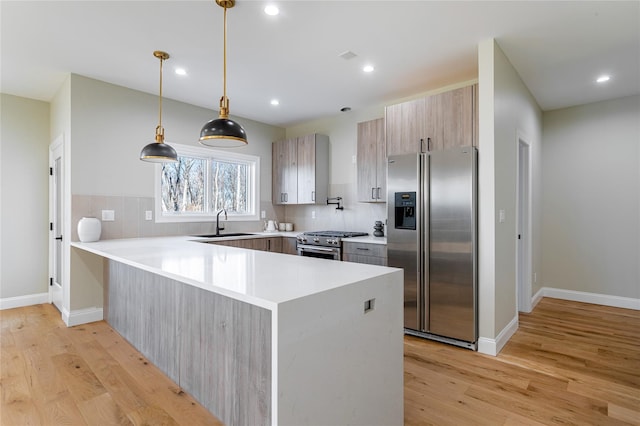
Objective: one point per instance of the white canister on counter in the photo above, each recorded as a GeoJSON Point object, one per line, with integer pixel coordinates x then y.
{"type": "Point", "coordinates": [288, 227]}
{"type": "Point", "coordinates": [89, 229]}
{"type": "Point", "coordinates": [282, 226]}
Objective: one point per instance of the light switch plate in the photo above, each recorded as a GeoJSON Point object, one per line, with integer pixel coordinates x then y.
{"type": "Point", "coordinates": [108, 215]}
{"type": "Point", "coordinates": [501, 218]}
{"type": "Point", "coordinates": [148, 215]}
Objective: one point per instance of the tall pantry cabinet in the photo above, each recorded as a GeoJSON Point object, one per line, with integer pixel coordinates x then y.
{"type": "Point", "coordinates": [436, 122]}
{"type": "Point", "coordinates": [300, 170]}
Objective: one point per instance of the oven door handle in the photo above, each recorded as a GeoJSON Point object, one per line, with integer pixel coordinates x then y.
{"type": "Point", "coordinates": [317, 249]}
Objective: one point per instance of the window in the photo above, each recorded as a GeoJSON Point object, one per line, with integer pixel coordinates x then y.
{"type": "Point", "coordinates": [203, 182]}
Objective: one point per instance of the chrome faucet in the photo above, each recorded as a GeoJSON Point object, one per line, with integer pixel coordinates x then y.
{"type": "Point", "coordinates": [218, 221]}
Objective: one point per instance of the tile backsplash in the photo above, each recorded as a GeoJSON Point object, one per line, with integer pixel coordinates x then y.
{"type": "Point", "coordinates": [130, 219]}
{"type": "Point", "coordinates": [354, 217]}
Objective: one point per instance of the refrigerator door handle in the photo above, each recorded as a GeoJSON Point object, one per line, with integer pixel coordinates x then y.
{"type": "Point", "coordinates": [424, 239]}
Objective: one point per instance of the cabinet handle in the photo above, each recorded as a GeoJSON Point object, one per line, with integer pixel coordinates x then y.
{"type": "Point", "coordinates": [378, 193]}
{"type": "Point", "coordinates": [313, 195]}
{"type": "Point", "coordinates": [373, 190]}
{"type": "Point", "coordinates": [362, 248]}
{"type": "Point", "coordinates": [268, 245]}
{"type": "Point", "coordinates": [428, 144]}
{"type": "Point", "coordinates": [422, 145]}
{"type": "Point", "coordinates": [286, 197]}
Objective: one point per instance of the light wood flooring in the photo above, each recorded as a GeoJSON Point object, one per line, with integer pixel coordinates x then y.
{"type": "Point", "coordinates": [568, 363]}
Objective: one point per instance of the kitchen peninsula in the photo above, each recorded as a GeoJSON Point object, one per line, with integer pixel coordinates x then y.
{"type": "Point", "coordinates": [257, 337]}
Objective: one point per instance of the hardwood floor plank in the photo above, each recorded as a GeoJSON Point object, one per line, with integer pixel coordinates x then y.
{"type": "Point", "coordinates": [568, 363]}
{"type": "Point", "coordinates": [102, 410]}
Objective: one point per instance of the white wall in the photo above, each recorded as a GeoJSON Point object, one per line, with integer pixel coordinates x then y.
{"type": "Point", "coordinates": [111, 124]}
{"type": "Point", "coordinates": [591, 198]}
{"type": "Point", "coordinates": [507, 111]}
{"type": "Point", "coordinates": [24, 199]}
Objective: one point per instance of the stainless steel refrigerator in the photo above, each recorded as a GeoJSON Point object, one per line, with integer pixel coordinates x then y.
{"type": "Point", "coordinates": [431, 234]}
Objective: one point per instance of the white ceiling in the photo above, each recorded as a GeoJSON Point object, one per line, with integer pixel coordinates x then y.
{"type": "Point", "coordinates": [558, 48]}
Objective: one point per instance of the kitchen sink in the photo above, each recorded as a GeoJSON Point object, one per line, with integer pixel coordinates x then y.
{"type": "Point", "coordinates": [236, 234]}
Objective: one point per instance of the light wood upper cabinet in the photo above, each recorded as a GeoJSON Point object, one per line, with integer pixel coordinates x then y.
{"type": "Point", "coordinates": [301, 170]}
{"type": "Point", "coordinates": [447, 120]}
{"type": "Point", "coordinates": [285, 172]}
{"type": "Point", "coordinates": [371, 162]}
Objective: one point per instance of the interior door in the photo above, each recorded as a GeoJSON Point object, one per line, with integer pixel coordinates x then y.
{"type": "Point", "coordinates": [56, 198]}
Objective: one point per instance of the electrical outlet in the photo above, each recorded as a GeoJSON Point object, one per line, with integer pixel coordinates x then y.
{"type": "Point", "coordinates": [108, 215]}
{"type": "Point", "coordinates": [313, 214]}
{"type": "Point", "coordinates": [148, 215]}
{"type": "Point", "coordinates": [502, 216]}
{"type": "Point", "coordinates": [535, 277]}
{"type": "Point", "coordinates": [263, 214]}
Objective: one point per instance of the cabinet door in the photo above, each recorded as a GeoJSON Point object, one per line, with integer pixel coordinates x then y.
{"type": "Point", "coordinates": [457, 109]}
{"type": "Point", "coordinates": [285, 172]}
{"type": "Point", "coordinates": [307, 169]}
{"type": "Point", "coordinates": [371, 161]}
{"type": "Point", "coordinates": [381, 162]}
{"type": "Point", "coordinates": [367, 157]}
{"type": "Point", "coordinates": [405, 127]}
{"type": "Point", "coordinates": [289, 245]}
{"type": "Point", "coordinates": [274, 244]}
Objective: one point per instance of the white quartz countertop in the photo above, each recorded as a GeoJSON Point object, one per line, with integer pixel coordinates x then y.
{"type": "Point", "coordinates": [261, 278]}
{"type": "Point", "coordinates": [368, 239]}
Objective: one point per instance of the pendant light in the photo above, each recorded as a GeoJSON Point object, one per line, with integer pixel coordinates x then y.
{"type": "Point", "coordinates": [222, 131]}
{"type": "Point", "coordinates": [158, 151]}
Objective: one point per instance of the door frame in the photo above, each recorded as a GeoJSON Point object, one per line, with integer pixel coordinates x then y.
{"type": "Point", "coordinates": [58, 147]}
{"type": "Point", "coordinates": [524, 211]}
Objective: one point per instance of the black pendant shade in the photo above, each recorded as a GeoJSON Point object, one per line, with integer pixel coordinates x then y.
{"type": "Point", "coordinates": [222, 131]}
{"type": "Point", "coordinates": [158, 151]}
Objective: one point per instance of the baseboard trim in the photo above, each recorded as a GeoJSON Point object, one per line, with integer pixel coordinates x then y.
{"type": "Point", "coordinates": [21, 301]}
{"type": "Point", "coordinates": [82, 316]}
{"type": "Point", "coordinates": [537, 298]}
{"type": "Point", "coordinates": [595, 298]}
{"type": "Point", "coordinates": [494, 346]}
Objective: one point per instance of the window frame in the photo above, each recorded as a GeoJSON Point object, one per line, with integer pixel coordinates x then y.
{"type": "Point", "coordinates": [253, 186]}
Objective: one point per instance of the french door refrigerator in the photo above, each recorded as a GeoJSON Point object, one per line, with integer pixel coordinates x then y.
{"type": "Point", "coordinates": [431, 234]}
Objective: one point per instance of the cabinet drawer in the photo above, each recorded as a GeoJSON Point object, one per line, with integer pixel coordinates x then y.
{"type": "Point", "coordinates": [364, 249]}
{"type": "Point", "coordinates": [369, 260]}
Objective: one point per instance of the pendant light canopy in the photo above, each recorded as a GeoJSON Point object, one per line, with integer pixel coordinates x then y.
{"type": "Point", "coordinates": [158, 151]}
{"type": "Point", "coordinates": [222, 131]}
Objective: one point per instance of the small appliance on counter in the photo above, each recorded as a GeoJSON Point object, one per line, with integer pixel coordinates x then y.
{"type": "Point", "coordinates": [270, 225]}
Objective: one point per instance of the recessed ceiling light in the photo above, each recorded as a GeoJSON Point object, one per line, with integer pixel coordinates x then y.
{"type": "Point", "coordinates": [181, 71]}
{"type": "Point", "coordinates": [368, 68]}
{"type": "Point", "coordinates": [603, 78]}
{"type": "Point", "coordinates": [275, 102]}
{"type": "Point", "coordinates": [271, 10]}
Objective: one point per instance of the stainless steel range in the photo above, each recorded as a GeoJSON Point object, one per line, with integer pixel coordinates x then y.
{"type": "Point", "coordinates": [324, 244]}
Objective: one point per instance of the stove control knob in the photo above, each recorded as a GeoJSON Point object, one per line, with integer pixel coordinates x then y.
{"type": "Point", "coordinates": [334, 242]}
{"type": "Point", "coordinates": [316, 240]}
{"type": "Point", "coordinates": [302, 239]}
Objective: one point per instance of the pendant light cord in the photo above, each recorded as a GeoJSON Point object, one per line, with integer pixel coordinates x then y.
{"type": "Point", "coordinates": [159, 129]}
{"type": "Point", "coordinates": [224, 74]}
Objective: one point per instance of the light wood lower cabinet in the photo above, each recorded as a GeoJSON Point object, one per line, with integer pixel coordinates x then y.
{"type": "Point", "coordinates": [372, 254]}
{"type": "Point", "coordinates": [289, 245]}
{"type": "Point", "coordinates": [216, 348]}
{"type": "Point", "coordinates": [273, 244]}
